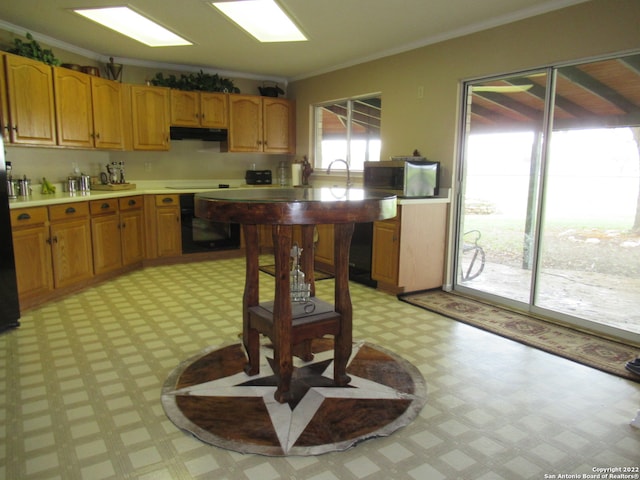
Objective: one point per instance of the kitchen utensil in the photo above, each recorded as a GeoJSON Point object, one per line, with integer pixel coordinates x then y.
{"type": "Point", "coordinates": [24, 187]}
{"type": "Point", "coordinates": [84, 183]}
{"type": "Point", "coordinates": [72, 185]}
{"type": "Point", "coordinates": [12, 188]}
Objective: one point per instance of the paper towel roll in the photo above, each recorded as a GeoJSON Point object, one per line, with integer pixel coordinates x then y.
{"type": "Point", "coordinates": [296, 174]}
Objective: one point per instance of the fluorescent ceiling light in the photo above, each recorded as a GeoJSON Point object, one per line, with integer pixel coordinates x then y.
{"type": "Point", "coordinates": [127, 22]}
{"type": "Point", "coordinates": [263, 19]}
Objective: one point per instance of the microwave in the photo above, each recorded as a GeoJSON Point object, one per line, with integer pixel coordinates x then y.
{"type": "Point", "coordinates": [407, 176]}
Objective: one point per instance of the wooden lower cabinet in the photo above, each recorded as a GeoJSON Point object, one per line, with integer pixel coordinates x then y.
{"type": "Point", "coordinates": [117, 229]}
{"type": "Point", "coordinates": [105, 229]}
{"type": "Point", "coordinates": [409, 250]}
{"type": "Point", "coordinates": [386, 248]}
{"type": "Point", "coordinates": [61, 247]}
{"type": "Point", "coordinates": [52, 248]}
{"type": "Point", "coordinates": [323, 247]}
{"type": "Point", "coordinates": [70, 244]}
{"type": "Point", "coordinates": [168, 227]}
{"type": "Point", "coordinates": [132, 233]}
{"type": "Point", "coordinates": [32, 250]}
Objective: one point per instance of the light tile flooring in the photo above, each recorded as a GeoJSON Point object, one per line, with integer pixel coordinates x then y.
{"type": "Point", "coordinates": [80, 394]}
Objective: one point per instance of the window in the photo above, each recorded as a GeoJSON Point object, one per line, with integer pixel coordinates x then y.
{"type": "Point", "coordinates": [348, 130]}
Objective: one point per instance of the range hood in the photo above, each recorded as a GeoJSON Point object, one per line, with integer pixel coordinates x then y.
{"type": "Point", "coordinates": [205, 134]}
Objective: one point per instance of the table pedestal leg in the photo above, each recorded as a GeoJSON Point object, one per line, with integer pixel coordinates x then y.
{"type": "Point", "coordinates": [282, 348]}
{"type": "Point", "coordinates": [343, 341]}
{"type": "Point", "coordinates": [250, 336]}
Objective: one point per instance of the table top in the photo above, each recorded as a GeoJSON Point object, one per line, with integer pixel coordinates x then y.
{"type": "Point", "coordinates": [296, 206]}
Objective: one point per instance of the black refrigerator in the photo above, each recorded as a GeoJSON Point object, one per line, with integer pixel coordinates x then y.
{"type": "Point", "coordinates": [9, 305]}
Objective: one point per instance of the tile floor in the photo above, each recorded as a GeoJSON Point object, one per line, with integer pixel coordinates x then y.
{"type": "Point", "coordinates": [80, 394]}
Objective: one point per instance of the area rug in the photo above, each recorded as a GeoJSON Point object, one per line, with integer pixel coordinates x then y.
{"type": "Point", "coordinates": [211, 397]}
{"type": "Point", "coordinates": [318, 275]}
{"type": "Point", "coordinates": [601, 353]}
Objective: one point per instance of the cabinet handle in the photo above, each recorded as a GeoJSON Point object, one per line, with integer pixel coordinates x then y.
{"type": "Point", "coordinates": [98, 136]}
{"type": "Point", "coordinates": [70, 211]}
{"type": "Point", "coordinates": [123, 225]}
{"type": "Point", "coordinates": [24, 216]}
{"type": "Point", "coordinates": [132, 202]}
{"type": "Point", "coordinates": [104, 206]}
{"type": "Point", "coordinates": [167, 200]}
{"type": "Point", "coordinates": [51, 240]}
{"type": "Point", "coordinates": [14, 128]}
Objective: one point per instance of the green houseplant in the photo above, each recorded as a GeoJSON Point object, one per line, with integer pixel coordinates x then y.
{"type": "Point", "coordinates": [200, 81]}
{"type": "Point", "coordinates": [32, 49]}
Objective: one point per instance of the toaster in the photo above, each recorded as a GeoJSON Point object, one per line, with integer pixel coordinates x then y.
{"type": "Point", "coordinates": [258, 177]}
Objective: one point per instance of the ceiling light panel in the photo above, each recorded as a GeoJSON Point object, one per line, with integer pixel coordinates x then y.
{"type": "Point", "coordinates": [127, 22]}
{"type": "Point", "coordinates": [264, 19]}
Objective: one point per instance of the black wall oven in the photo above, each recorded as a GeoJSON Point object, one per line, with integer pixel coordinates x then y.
{"type": "Point", "coordinates": [200, 235]}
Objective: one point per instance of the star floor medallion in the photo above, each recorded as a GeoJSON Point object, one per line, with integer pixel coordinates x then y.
{"type": "Point", "coordinates": [210, 396]}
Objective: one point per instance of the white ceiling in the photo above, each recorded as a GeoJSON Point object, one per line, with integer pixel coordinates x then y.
{"type": "Point", "coordinates": [340, 32]}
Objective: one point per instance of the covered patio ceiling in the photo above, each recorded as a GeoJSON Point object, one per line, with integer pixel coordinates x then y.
{"type": "Point", "coordinates": [592, 95]}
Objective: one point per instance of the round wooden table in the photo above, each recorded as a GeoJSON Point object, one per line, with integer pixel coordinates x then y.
{"type": "Point", "coordinates": [283, 208]}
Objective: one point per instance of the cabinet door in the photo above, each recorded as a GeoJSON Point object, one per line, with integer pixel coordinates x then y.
{"type": "Point", "coordinates": [278, 125]}
{"type": "Point", "coordinates": [214, 110]}
{"type": "Point", "coordinates": [245, 123]}
{"type": "Point", "coordinates": [386, 241]}
{"type": "Point", "coordinates": [324, 245]}
{"type": "Point", "coordinates": [31, 108]}
{"type": "Point", "coordinates": [107, 113]}
{"type": "Point", "coordinates": [74, 115]}
{"type": "Point", "coordinates": [132, 235]}
{"type": "Point", "coordinates": [107, 254]}
{"type": "Point", "coordinates": [169, 234]}
{"type": "Point", "coordinates": [185, 108]}
{"type": "Point", "coordinates": [150, 116]}
{"type": "Point", "coordinates": [71, 249]}
{"type": "Point", "coordinates": [4, 105]}
{"type": "Point", "coordinates": [33, 261]}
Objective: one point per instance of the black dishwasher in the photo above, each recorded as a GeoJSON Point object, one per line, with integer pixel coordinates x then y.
{"type": "Point", "coordinates": [360, 254]}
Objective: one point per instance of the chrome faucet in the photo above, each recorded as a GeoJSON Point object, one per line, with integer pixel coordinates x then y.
{"type": "Point", "coordinates": [346, 165]}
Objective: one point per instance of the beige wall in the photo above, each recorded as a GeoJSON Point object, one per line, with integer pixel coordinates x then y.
{"type": "Point", "coordinates": [429, 124]}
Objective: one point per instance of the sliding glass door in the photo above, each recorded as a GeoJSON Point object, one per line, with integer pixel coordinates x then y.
{"type": "Point", "coordinates": [549, 206]}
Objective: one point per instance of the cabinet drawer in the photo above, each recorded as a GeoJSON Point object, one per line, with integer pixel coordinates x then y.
{"type": "Point", "coordinates": [24, 217]}
{"type": "Point", "coordinates": [167, 200]}
{"type": "Point", "coordinates": [130, 203]}
{"type": "Point", "coordinates": [68, 210]}
{"type": "Point", "coordinates": [100, 207]}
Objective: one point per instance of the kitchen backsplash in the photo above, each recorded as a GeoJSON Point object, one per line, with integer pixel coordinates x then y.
{"type": "Point", "coordinates": [187, 159]}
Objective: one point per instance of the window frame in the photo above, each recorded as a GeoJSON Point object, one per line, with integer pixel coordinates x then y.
{"type": "Point", "coordinates": [316, 129]}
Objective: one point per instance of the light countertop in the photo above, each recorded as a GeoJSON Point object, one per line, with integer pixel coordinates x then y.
{"type": "Point", "coordinates": [155, 187]}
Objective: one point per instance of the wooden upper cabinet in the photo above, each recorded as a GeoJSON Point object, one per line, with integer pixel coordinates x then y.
{"type": "Point", "coordinates": [261, 124]}
{"type": "Point", "coordinates": [108, 127]}
{"type": "Point", "coordinates": [74, 111]}
{"type": "Point", "coordinates": [245, 123]}
{"type": "Point", "coordinates": [88, 110]}
{"type": "Point", "coordinates": [278, 125]}
{"type": "Point", "coordinates": [30, 100]}
{"type": "Point", "coordinates": [4, 105]}
{"type": "Point", "coordinates": [150, 114]}
{"type": "Point", "coordinates": [185, 108]}
{"type": "Point", "coordinates": [214, 110]}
